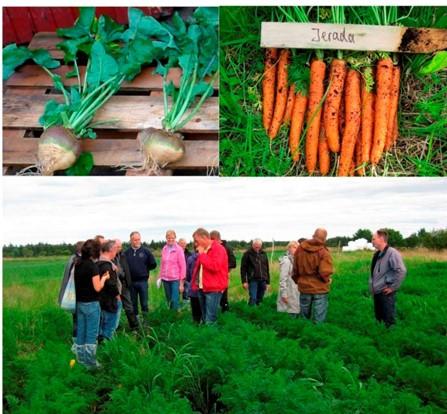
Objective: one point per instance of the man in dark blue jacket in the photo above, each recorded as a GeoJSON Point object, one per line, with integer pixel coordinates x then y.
{"type": "Point", "coordinates": [215, 235]}
{"type": "Point", "coordinates": [140, 261]}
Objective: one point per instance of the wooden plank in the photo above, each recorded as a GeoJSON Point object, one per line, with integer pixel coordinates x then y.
{"type": "Point", "coordinates": [33, 75]}
{"type": "Point", "coordinates": [115, 134]}
{"type": "Point", "coordinates": [130, 113]}
{"type": "Point", "coordinates": [14, 134]}
{"type": "Point", "coordinates": [24, 91]}
{"type": "Point", "coordinates": [126, 152]}
{"type": "Point", "coordinates": [352, 37]}
{"type": "Point", "coordinates": [143, 173]}
{"type": "Point", "coordinates": [22, 151]}
{"type": "Point", "coordinates": [47, 40]}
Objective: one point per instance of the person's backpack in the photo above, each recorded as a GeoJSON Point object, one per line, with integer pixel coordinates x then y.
{"type": "Point", "coordinates": [231, 258]}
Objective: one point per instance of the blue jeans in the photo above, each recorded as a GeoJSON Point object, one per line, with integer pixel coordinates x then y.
{"type": "Point", "coordinates": [256, 290]}
{"type": "Point", "coordinates": [139, 290]}
{"type": "Point", "coordinates": [185, 291]}
{"type": "Point", "coordinates": [88, 315]}
{"type": "Point", "coordinates": [109, 322]}
{"type": "Point", "coordinates": [172, 293]}
{"type": "Point", "coordinates": [318, 303]}
{"type": "Point", "coordinates": [209, 304]}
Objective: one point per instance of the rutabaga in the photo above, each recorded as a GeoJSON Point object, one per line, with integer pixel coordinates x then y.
{"type": "Point", "coordinates": [114, 54]}
{"type": "Point", "coordinates": [196, 54]}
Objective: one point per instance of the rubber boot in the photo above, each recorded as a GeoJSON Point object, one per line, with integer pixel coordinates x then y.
{"type": "Point", "coordinates": [73, 345]}
{"type": "Point", "coordinates": [133, 321]}
{"type": "Point", "coordinates": [80, 353]}
{"type": "Point", "coordinates": [90, 356]}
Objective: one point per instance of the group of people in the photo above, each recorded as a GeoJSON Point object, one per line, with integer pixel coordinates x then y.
{"type": "Point", "coordinates": [108, 280]}
{"type": "Point", "coordinates": [306, 276]}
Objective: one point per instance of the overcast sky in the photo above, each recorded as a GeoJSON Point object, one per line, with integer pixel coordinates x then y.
{"type": "Point", "coordinates": [63, 209]}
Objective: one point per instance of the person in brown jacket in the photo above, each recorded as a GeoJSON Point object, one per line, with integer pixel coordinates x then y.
{"type": "Point", "coordinates": [312, 271]}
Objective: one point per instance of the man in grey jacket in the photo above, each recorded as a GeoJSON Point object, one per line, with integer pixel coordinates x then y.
{"type": "Point", "coordinates": [387, 273]}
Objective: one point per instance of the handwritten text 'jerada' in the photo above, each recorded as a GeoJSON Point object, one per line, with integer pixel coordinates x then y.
{"type": "Point", "coordinates": [332, 36]}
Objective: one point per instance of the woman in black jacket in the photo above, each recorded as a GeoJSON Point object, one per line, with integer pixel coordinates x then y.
{"type": "Point", "coordinates": [88, 283]}
{"type": "Point", "coordinates": [109, 298]}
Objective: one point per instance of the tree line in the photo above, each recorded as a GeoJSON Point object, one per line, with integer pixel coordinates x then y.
{"type": "Point", "coordinates": [435, 239]}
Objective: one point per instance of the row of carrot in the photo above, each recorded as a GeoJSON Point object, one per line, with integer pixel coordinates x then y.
{"type": "Point", "coordinates": [345, 116]}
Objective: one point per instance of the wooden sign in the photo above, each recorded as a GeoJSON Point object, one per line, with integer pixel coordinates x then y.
{"type": "Point", "coordinates": [352, 37]}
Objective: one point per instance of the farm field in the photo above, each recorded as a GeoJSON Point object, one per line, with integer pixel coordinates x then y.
{"type": "Point", "coordinates": [254, 361]}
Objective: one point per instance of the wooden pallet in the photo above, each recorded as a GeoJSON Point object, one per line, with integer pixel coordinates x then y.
{"type": "Point", "coordinates": [138, 105]}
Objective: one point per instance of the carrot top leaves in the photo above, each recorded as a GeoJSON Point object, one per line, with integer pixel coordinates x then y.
{"type": "Point", "coordinates": [299, 72]}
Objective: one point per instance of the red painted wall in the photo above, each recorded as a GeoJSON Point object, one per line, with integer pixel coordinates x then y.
{"type": "Point", "coordinates": [21, 23]}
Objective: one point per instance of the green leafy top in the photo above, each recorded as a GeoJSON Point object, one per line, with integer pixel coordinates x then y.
{"type": "Point", "coordinates": [299, 72]}
{"type": "Point", "coordinates": [14, 56]}
{"type": "Point", "coordinates": [114, 54]}
{"type": "Point", "coordinates": [196, 54]}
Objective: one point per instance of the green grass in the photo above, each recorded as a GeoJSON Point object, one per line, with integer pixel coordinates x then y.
{"type": "Point", "coordinates": [245, 149]}
{"type": "Point", "coordinates": [255, 361]}
{"type": "Point", "coordinates": [30, 271]}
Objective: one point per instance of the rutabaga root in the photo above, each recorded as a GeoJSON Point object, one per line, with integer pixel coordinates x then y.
{"type": "Point", "coordinates": [58, 150]}
{"type": "Point", "coordinates": [160, 148]}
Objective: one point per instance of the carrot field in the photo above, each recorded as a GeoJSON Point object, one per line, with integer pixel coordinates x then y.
{"type": "Point", "coordinates": [254, 360]}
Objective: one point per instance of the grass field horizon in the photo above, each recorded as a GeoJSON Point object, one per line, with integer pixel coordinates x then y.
{"type": "Point", "coordinates": [255, 360]}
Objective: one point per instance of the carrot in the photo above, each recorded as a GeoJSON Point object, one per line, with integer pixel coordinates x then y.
{"type": "Point", "coordinates": [337, 75]}
{"type": "Point", "coordinates": [316, 92]}
{"type": "Point", "coordinates": [323, 153]}
{"type": "Point", "coordinates": [281, 93]}
{"type": "Point", "coordinates": [268, 86]}
{"type": "Point", "coordinates": [367, 122]}
{"type": "Point", "coordinates": [358, 154]}
{"type": "Point", "coordinates": [353, 109]}
{"type": "Point", "coordinates": [289, 104]}
{"type": "Point", "coordinates": [341, 117]}
{"type": "Point", "coordinates": [296, 124]}
{"type": "Point", "coordinates": [351, 172]}
{"type": "Point", "coordinates": [394, 103]}
{"type": "Point", "coordinates": [384, 76]}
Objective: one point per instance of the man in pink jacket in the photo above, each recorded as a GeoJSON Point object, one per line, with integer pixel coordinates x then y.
{"type": "Point", "coordinates": [210, 275]}
{"type": "Point", "coordinates": [172, 270]}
